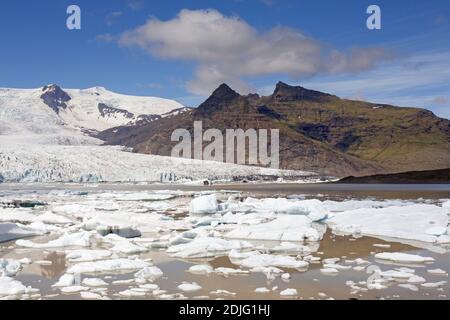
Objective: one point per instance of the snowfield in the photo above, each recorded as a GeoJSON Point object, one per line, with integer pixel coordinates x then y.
{"type": "Point", "coordinates": [23, 112]}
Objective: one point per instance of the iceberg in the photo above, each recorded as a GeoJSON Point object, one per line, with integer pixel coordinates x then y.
{"type": "Point", "coordinates": [405, 222]}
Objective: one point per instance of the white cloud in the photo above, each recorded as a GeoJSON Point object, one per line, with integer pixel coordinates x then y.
{"type": "Point", "coordinates": [419, 81]}
{"type": "Point", "coordinates": [228, 49]}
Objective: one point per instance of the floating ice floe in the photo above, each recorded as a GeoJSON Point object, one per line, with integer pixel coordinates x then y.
{"type": "Point", "coordinates": [51, 218]}
{"type": "Point", "coordinates": [150, 273]}
{"type": "Point", "coordinates": [329, 271]}
{"type": "Point", "coordinates": [224, 293]}
{"type": "Point", "coordinates": [73, 289]}
{"type": "Point", "coordinates": [230, 271]}
{"type": "Point", "coordinates": [289, 293]}
{"type": "Point", "coordinates": [407, 222]}
{"type": "Point", "coordinates": [87, 255]}
{"type": "Point", "coordinates": [399, 257]}
{"type": "Point", "coordinates": [79, 239]}
{"type": "Point", "coordinates": [402, 275]}
{"type": "Point", "coordinates": [122, 245]}
{"type": "Point", "coordinates": [433, 285]}
{"type": "Point", "coordinates": [113, 265]}
{"type": "Point", "coordinates": [262, 290]}
{"type": "Point", "coordinates": [201, 269]}
{"type": "Point", "coordinates": [11, 231]}
{"type": "Point", "coordinates": [347, 205]}
{"type": "Point", "coordinates": [438, 272]}
{"type": "Point", "coordinates": [290, 248]}
{"type": "Point", "coordinates": [207, 247]}
{"type": "Point", "coordinates": [311, 208]}
{"type": "Point", "coordinates": [92, 296]}
{"type": "Point", "coordinates": [10, 267]}
{"type": "Point", "coordinates": [9, 286]}
{"type": "Point", "coordinates": [267, 260]}
{"type": "Point", "coordinates": [16, 215]}
{"type": "Point", "coordinates": [409, 286]}
{"type": "Point", "coordinates": [189, 287]}
{"type": "Point", "coordinates": [283, 228]}
{"type": "Point", "coordinates": [66, 280]}
{"type": "Point", "coordinates": [204, 204]}
{"type": "Point", "coordinates": [94, 282]}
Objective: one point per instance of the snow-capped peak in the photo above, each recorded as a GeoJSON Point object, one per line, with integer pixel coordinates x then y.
{"type": "Point", "coordinates": [53, 113]}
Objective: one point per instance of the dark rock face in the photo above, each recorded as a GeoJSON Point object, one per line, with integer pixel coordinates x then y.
{"type": "Point", "coordinates": [413, 177]}
{"type": "Point", "coordinates": [285, 93]}
{"type": "Point", "coordinates": [147, 118]}
{"type": "Point", "coordinates": [315, 131]}
{"type": "Point", "coordinates": [222, 97]}
{"type": "Point", "coordinates": [269, 112]}
{"type": "Point", "coordinates": [55, 97]}
{"type": "Point", "coordinates": [106, 111]}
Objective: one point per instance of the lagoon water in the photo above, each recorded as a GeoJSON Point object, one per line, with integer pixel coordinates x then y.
{"type": "Point", "coordinates": [50, 264]}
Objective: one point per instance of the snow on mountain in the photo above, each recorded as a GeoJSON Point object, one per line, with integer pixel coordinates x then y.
{"type": "Point", "coordinates": [52, 110]}
{"type": "Point", "coordinates": [99, 109]}
{"type": "Point", "coordinates": [43, 138]}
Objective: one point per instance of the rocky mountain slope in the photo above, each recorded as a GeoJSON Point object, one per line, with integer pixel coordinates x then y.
{"type": "Point", "coordinates": [318, 132]}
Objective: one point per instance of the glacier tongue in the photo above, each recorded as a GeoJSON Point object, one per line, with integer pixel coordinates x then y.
{"type": "Point", "coordinates": [46, 163]}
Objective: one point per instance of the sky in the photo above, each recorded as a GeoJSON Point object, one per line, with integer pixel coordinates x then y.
{"type": "Point", "coordinates": [184, 49]}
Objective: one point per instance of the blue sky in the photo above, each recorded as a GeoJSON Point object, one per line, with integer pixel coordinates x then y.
{"type": "Point", "coordinates": [183, 49]}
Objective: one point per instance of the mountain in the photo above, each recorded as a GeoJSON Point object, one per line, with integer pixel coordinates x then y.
{"type": "Point", "coordinates": [319, 132]}
{"type": "Point", "coordinates": [48, 135]}
{"type": "Point", "coordinates": [61, 116]}
{"type": "Point", "coordinates": [441, 176]}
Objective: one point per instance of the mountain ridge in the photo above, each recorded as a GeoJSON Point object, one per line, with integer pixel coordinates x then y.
{"type": "Point", "coordinates": [319, 132]}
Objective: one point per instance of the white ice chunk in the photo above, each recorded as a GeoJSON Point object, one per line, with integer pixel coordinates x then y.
{"type": "Point", "coordinates": [73, 289]}
{"type": "Point", "coordinates": [283, 228]}
{"type": "Point", "coordinates": [9, 286]}
{"type": "Point", "coordinates": [201, 269]}
{"type": "Point", "coordinates": [207, 247]}
{"type": "Point", "coordinates": [94, 282]}
{"type": "Point", "coordinates": [289, 293]}
{"type": "Point", "coordinates": [399, 257]}
{"type": "Point", "coordinates": [204, 204]}
{"type": "Point", "coordinates": [80, 239]}
{"type": "Point", "coordinates": [87, 255]}
{"type": "Point", "coordinates": [10, 267]}
{"type": "Point", "coordinates": [267, 260]}
{"type": "Point", "coordinates": [189, 287]}
{"type": "Point", "coordinates": [407, 222]}
{"type": "Point", "coordinates": [114, 265]}
{"type": "Point", "coordinates": [66, 280]}
{"type": "Point", "coordinates": [51, 218]}
{"type": "Point", "coordinates": [150, 273]}
{"type": "Point", "coordinates": [438, 272]}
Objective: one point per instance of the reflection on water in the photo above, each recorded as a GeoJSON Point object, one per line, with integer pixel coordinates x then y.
{"type": "Point", "coordinates": [57, 266]}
